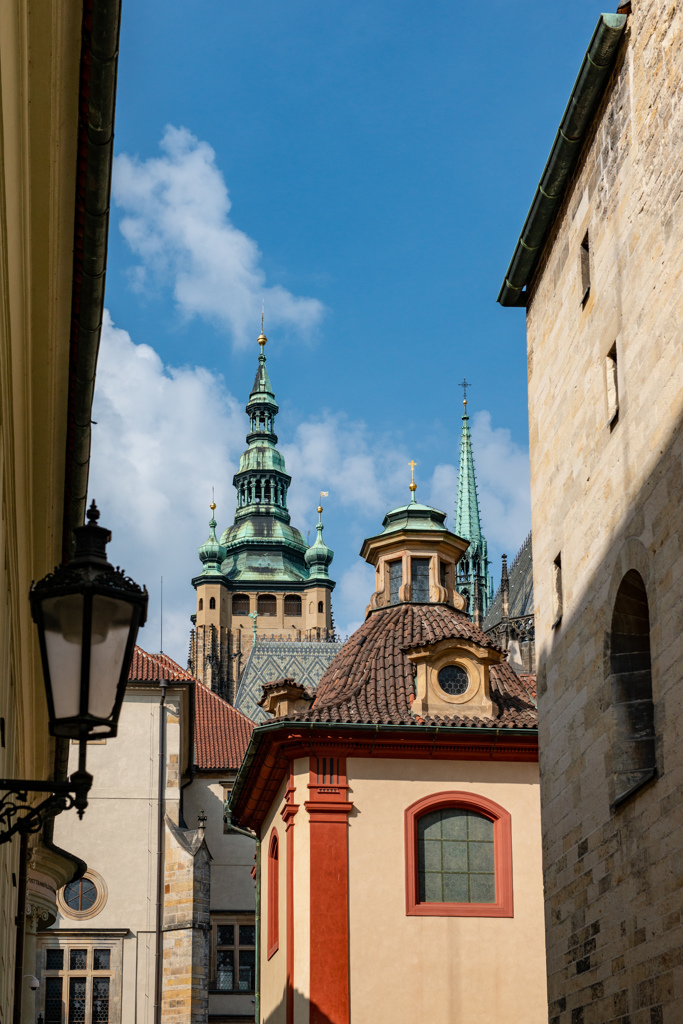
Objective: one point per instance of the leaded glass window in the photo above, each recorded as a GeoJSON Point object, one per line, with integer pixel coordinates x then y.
{"type": "Point", "coordinates": [100, 1001]}
{"type": "Point", "coordinates": [235, 952]}
{"type": "Point", "coordinates": [455, 857]}
{"type": "Point", "coordinates": [420, 575]}
{"type": "Point", "coordinates": [225, 969]}
{"type": "Point", "coordinates": [442, 573]}
{"type": "Point", "coordinates": [77, 1000]}
{"type": "Point", "coordinates": [395, 580]}
{"type": "Point", "coordinates": [54, 960]}
{"type": "Point", "coordinates": [292, 604]}
{"type": "Point", "coordinates": [240, 604]}
{"type": "Point", "coordinates": [453, 680]}
{"type": "Point", "coordinates": [87, 983]}
{"type": "Point", "coordinates": [101, 959]}
{"type": "Point", "coordinates": [53, 998]}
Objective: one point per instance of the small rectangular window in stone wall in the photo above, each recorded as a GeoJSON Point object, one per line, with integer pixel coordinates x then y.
{"type": "Point", "coordinates": [420, 576]}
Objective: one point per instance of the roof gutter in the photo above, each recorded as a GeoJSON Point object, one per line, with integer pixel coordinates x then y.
{"type": "Point", "coordinates": [97, 97]}
{"type": "Point", "coordinates": [585, 96]}
{"type": "Point", "coordinates": [425, 730]}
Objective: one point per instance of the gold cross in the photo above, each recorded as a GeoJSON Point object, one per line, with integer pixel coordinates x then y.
{"type": "Point", "coordinates": [412, 465]}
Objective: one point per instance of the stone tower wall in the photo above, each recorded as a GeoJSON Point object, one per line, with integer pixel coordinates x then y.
{"type": "Point", "coordinates": [606, 499]}
{"type": "Point", "coordinates": [185, 989]}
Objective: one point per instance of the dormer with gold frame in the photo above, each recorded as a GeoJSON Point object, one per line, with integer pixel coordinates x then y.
{"type": "Point", "coordinates": [414, 558]}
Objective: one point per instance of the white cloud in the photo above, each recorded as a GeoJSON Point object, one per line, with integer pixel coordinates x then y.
{"type": "Point", "coordinates": [503, 479]}
{"type": "Point", "coordinates": [177, 222]}
{"type": "Point", "coordinates": [165, 436]}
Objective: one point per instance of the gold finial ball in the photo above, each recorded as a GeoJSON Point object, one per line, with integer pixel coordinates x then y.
{"type": "Point", "coordinates": [212, 506]}
{"type": "Point", "coordinates": [319, 510]}
{"type": "Point", "coordinates": [413, 486]}
{"type": "Point", "coordinates": [262, 340]}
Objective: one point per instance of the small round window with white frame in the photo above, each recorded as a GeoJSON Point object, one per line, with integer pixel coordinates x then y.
{"type": "Point", "coordinates": [453, 680]}
{"type": "Point", "coordinates": [83, 898]}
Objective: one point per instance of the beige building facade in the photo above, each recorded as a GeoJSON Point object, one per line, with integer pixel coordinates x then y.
{"type": "Point", "coordinates": [399, 814]}
{"type": "Point", "coordinates": [604, 313]}
{"type": "Point", "coordinates": [164, 873]}
{"type": "Point", "coordinates": [52, 260]}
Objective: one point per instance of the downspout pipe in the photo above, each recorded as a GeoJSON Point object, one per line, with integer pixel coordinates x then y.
{"type": "Point", "coordinates": [583, 101]}
{"type": "Point", "coordinates": [97, 99]}
{"type": "Point", "coordinates": [161, 791]}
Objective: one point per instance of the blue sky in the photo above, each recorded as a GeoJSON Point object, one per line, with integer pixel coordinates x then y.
{"type": "Point", "coordinates": [365, 167]}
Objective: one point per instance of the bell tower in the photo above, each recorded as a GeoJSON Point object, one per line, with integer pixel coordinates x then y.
{"type": "Point", "coordinates": [261, 581]}
{"type": "Point", "coordinates": [210, 641]}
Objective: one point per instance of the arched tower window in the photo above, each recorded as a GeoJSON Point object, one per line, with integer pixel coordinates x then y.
{"type": "Point", "coordinates": [266, 496]}
{"type": "Point", "coordinates": [273, 895]}
{"type": "Point", "coordinates": [321, 608]}
{"type": "Point", "coordinates": [631, 684]}
{"type": "Point", "coordinates": [240, 604]}
{"type": "Point", "coordinates": [201, 604]}
{"type": "Point", "coordinates": [292, 604]}
{"type": "Point", "coordinates": [212, 603]}
{"type": "Point", "coordinates": [266, 604]}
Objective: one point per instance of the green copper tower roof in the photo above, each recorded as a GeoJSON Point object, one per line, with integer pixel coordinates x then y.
{"type": "Point", "coordinates": [262, 550]}
{"type": "Point", "coordinates": [319, 556]}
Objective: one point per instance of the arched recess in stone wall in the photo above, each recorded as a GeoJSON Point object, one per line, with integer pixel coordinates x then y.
{"type": "Point", "coordinates": [630, 669]}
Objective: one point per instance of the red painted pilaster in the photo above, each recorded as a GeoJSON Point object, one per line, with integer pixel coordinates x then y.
{"type": "Point", "coordinates": [329, 809]}
{"type": "Point", "coordinates": [288, 813]}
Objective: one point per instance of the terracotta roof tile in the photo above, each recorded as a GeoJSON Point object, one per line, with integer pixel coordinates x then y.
{"type": "Point", "coordinates": [221, 732]}
{"type": "Point", "coordinates": [371, 679]}
{"type": "Point", "coordinates": [153, 667]}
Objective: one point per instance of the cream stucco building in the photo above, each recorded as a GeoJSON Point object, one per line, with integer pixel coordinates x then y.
{"type": "Point", "coordinates": [598, 268]}
{"type": "Point", "coordinates": [167, 883]}
{"type": "Point", "coordinates": [57, 89]}
{"type": "Point", "coordinates": [399, 813]}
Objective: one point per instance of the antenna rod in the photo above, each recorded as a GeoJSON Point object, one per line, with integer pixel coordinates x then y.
{"type": "Point", "coordinates": [161, 622]}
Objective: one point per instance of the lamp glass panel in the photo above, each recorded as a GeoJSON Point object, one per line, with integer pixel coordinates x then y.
{"type": "Point", "coordinates": [111, 619]}
{"type": "Point", "coordinates": [63, 622]}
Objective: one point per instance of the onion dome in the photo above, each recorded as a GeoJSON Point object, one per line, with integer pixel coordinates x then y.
{"type": "Point", "coordinates": [319, 556]}
{"type": "Point", "coordinates": [212, 553]}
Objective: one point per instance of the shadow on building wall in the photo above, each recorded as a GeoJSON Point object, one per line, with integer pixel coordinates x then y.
{"type": "Point", "coordinates": [302, 1009]}
{"type": "Point", "coordinates": [613, 870]}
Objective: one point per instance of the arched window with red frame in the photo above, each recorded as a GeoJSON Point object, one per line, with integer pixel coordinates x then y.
{"type": "Point", "coordinates": [458, 849]}
{"type": "Point", "coordinates": [273, 894]}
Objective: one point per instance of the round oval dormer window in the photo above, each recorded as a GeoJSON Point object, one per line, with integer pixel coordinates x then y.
{"type": "Point", "coordinates": [454, 680]}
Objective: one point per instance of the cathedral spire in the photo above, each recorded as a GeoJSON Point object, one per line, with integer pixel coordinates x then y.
{"type": "Point", "coordinates": [473, 576]}
{"type": "Point", "coordinates": [467, 521]}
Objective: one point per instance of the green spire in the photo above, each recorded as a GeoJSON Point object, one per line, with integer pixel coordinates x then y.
{"type": "Point", "coordinates": [473, 578]}
{"type": "Point", "coordinates": [467, 522]}
{"type": "Point", "coordinates": [212, 553]}
{"type": "Point", "coordinates": [319, 556]}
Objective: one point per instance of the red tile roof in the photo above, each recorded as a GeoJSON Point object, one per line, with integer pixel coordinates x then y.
{"type": "Point", "coordinates": [371, 679]}
{"type": "Point", "coordinates": [153, 667]}
{"type": "Point", "coordinates": [221, 732]}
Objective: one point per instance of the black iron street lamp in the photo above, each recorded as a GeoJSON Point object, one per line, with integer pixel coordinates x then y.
{"type": "Point", "coordinates": [88, 615]}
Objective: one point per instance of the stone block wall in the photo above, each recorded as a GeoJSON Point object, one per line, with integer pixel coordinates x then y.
{"type": "Point", "coordinates": [185, 989]}
{"type": "Point", "coordinates": [606, 500]}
